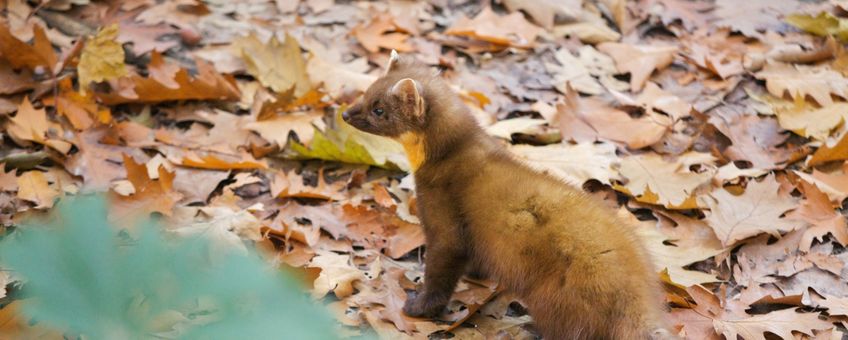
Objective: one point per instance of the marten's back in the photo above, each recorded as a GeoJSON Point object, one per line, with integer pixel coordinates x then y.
{"type": "Point", "coordinates": [569, 256]}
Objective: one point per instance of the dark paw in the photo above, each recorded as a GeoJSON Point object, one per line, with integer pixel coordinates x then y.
{"type": "Point", "coordinates": [419, 306]}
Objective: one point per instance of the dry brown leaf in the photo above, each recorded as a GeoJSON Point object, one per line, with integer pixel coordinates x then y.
{"type": "Point", "coordinates": [545, 11]}
{"type": "Point", "coordinates": [277, 65]}
{"type": "Point", "coordinates": [781, 323]}
{"type": "Point", "coordinates": [755, 139]}
{"type": "Point", "coordinates": [20, 54]}
{"type": "Point", "coordinates": [150, 195]}
{"type": "Point", "coordinates": [750, 17]}
{"type": "Point", "coordinates": [206, 84]}
{"type": "Point", "coordinates": [337, 274]}
{"type": "Point", "coordinates": [338, 80]}
{"type": "Point", "coordinates": [145, 38]}
{"type": "Point", "coordinates": [586, 119]}
{"type": "Point", "coordinates": [33, 187]}
{"type": "Point", "coordinates": [382, 32]}
{"type": "Point", "coordinates": [30, 125]}
{"type": "Point", "coordinates": [810, 121]}
{"type": "Point", "coordinates": [638, 60]}
{"type": "Point", "coordinates": [758, 210]}
{"type": "Point", "coordinates": [830, 151]}
{"type": "Point", "coordinates": [835, 305]}
{"type": "Point", "coordinates": [15, 324]}
{"type": "Point", "coordinates": [277, 129]}
{"type": "Point", "coordinates": [691, 14]}
{"type": "Point", "coordinates": [12, 82]}
{"type": "Point", "coordinates": [79, 108]}
{"type": "Point", "coordinates": [511, 30]}
{"type": "Point", "coordinates": [575, 163]}
{"type": "Point", "coordinates": [834, 183]}
{"type": "Point", "coordinates": [817, 211]}
{"type": "Point", "coordinates": [658, 181]}
{"type": "Point", "coordinates": [818, 82]}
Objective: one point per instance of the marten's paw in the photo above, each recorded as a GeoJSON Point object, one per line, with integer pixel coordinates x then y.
{"type": "Point", "coordinates": [421, 306]}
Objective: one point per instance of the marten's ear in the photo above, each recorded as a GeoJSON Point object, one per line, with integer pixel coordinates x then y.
{"type": "Point", "coordinates": [393, 61]}
{"type": "Point", "coordinates": [409, 92]}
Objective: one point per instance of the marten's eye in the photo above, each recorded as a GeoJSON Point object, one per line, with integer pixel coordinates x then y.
{"type": "Point", "coordinates": [377, 112]}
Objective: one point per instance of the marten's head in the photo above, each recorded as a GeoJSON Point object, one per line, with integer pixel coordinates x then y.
{"type": "Point", "coordinates": [394, 104]}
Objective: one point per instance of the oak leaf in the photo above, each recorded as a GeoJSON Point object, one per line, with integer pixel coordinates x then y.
{"type": "Point", "coordinates": [337, 274]}
{"type": "Point", "coordinates": [587, 119]}
{"type": "Point", "coordinates": [277, 65]}
{"type": "Point", "coordinates": [751, 17]}
{"type": "Point", "coordinates": [79, 108]}
{"type": "Point", "coordinates": [818, 82]}
{"type": "Point", "coordinates": [658, 181]}
{"type": "Point", "coordinates": [545, 11]}
{"type": "Point", "coordinates": [810, 121]}
{"type": "Point", "coordinates": [102, 58]}
{"type": "Point", "coordinates": [824, 24]}
{"type": "Point", "coordinates": [337, 79]}
{"type": "Point", "coordinates": [575, 163]}
{"type": "Point", "coordinates": [223, 226]}
{"type": "Point", "coordinates": [33, 187]}
{"type": "Point", "coordinates": [830, 151]}
{"type": "Point", "coordinates": [638, 60]}
{"type": "Point", "coordinates": [278, 128]}
{"type": "Point", "coordinates": [781, 323]}
{"type": "Point", "coordinates": [817, 210]}
{"type": "Point", "coordinates": [758, 210]}
{"type": "Point", "coordinates": [150, 195]}
{"type": "Point", "coordinates": [12, 82]}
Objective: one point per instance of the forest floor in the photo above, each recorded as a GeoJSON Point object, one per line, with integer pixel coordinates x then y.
{"type": "Point", "coordinates": [718, 128]}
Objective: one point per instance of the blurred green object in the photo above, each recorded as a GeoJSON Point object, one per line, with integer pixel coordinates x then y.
{"type": "Point", "coordinates": [86, 278]}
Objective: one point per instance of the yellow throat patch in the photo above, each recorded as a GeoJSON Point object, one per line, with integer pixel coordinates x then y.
{"type": "Point", "coordinates": [413, 145]}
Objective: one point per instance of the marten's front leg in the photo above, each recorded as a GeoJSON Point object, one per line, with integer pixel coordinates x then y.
{"type": "Point", "coordinates": [445, 261]}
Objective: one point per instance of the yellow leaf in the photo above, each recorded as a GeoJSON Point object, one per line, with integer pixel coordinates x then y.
{"type": "Point", "coordinates": [824, 24]}
{"type": "Point", "coordinates": [662, 182]}
{"type": "Point", "coordinates": [33, 187]}
{"type": "Point", "coordinates": [102, 58]}
{"type": "Point", "coordinates": [279, 66]}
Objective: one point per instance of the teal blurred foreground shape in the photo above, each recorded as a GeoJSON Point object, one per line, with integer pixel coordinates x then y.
{"type": "Point", "coordinates": [83, 277]}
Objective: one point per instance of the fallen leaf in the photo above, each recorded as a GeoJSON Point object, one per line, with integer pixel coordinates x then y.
{"type": "Point", "coordinates": [575, 163]}
{"type": "Point", "coordinates": [824, 24]}
{"type": "Point", "coordinates": [149, 196]}
{"type": "Point", "coordinates": [510, 30]}
{"type": "Point", "coordinates": [544, 11]}
{"type": "Point", "coordinates": [337, 79]}
{"type": "Point", "coordinates": [817, 211]}
{"type": "Point", "coordinates": [781, 323]}
{"type": "Point", "coordinates": [277, 65]}
{"type": "Point", "coordinates": [758, 210]}
{"type": "Point", "coordinates": [658, 181]}
{"type": "Point", "coordinates": [830, 151]}
{"type": "Point", "coordinates": [751, 17]}
{"type": "Point", "coordinates": [638, 60]}
{"type": "Point", "coordinates": [33, 187]}
{"type": "Point", "coordinates": [206, 84]}
{"type": "Point", "coordinates": [102, 58]}
{"type": "Point", "coordinates": [337, 274]}
{"type": "Point", "coordinates": [30, 124]}
{"type": "Point", "coordinates": [12, 82]}
{"type": "Point", "coordinates": [278, 128]}
{"type": "Point", "coordinates": [223, 226]}
{"type": "Point", "coordinates": [381, 32]}
{"type": "Point", "coordinates": [20, 54]}
{"type": "Point", "coordinates": [818, 82]}
{"type": "Point", "coordinates": [586, 119]}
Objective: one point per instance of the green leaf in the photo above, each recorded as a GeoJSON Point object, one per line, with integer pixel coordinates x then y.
{"type": "Point", "coordinates": [824, 24]}
{"type": "Point", "coordinates": [344, 143]}
{"type": "Point", "coordinates": [84, 279]}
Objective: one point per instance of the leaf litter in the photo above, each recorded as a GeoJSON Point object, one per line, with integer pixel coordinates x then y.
{"type": "Point", "coordinates": [718, 129]}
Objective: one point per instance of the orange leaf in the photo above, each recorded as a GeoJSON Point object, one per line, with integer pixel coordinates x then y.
{"type": "Point", "coordinates": [376, 34]}
{"type": "Point", "coordinates": [33, 187]}
{"type": "Point", "coordinates": [21, 54]}
{"type": "Point", "coordinates": [149, 196]}
{"type": "Point", "coordinates": [207, 84]}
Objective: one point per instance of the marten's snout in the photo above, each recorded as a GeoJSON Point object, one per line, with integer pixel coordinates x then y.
{"type": "Point", "coordinates": [350, 112]}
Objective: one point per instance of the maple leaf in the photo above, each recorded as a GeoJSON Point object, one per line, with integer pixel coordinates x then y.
{"type": "Point", "coordinates": [817, 210]}
{"type": "Point", "coordinates": [835, 305]}
{"type": "Point", "coordinates": [755, 139]}
{"type": "Point", "coordinates": [149, 196]}
{"type": "Point", "coordinates": [102, 58]}
{"type": "Point", "coordinates": [673, 258]}
{"type": "Point", "coordinates": [654, 180]}
{"type": "Point", "coordinates": [575, 163]}
{"type": "Point", "coordinates": [818, 82]}
{"type": "Point", "coordinates": [638, 60]}
{"type": "Point", "coordinates": [224, 227]}
{"type": "Point", "coordinates": [585, 119]}
{"type": "Point", "coordinates": [79, 108]}
{"type": "Point", "coordinates": [654, 98]}
{"type": "Point", "coordinates": [206, 84]}
{"type": "Point", "coordinates": [33, 187]}
{"type": "Point", "coordinates": [382, 32]}
{"type": "Point", "coordinates": [571, 71]}
{"type": "Point", "coordinates": [511, 30]}
{"type": "Point", "coordinates": [30, 124]}
{"type": "Point", "coordinates": [20, 54]}
{"type": "Point", "coordinates": [279, 66]}
{"type": "Point", "coordinates": [757, 210]}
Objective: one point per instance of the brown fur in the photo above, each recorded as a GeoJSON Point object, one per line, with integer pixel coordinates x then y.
{"type": "Point", "coordinates": [581, 272]}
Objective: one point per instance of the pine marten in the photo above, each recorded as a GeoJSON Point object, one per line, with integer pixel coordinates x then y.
{"type": "Point", "coordinates": [581, 272]}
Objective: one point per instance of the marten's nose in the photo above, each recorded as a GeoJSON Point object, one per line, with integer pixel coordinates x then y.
{"type": "Point", "coordinates": [345, 114]}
